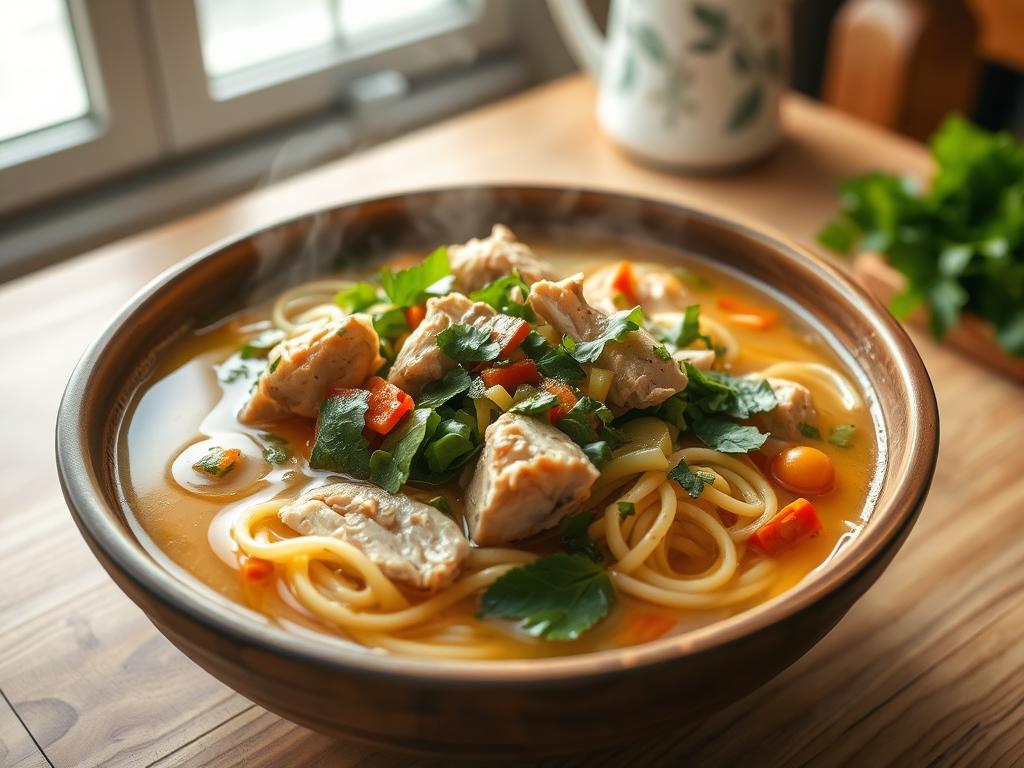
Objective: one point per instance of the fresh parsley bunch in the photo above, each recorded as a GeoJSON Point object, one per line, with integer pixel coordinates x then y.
{"type": "Point", "coordinates": [960, 244]}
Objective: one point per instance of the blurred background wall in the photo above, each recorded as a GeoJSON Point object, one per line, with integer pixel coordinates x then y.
{"type": "Point", "coordinates": [121, 114]}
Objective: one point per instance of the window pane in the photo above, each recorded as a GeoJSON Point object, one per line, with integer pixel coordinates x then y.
{"type": "Point", "coordinates": [41, 81]}
{"type": "Point", "coordinates": [239, 33]}
{"type": "Point", "coordinates": [360, 18]}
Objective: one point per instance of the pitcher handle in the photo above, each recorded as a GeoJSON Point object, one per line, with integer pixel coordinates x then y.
{"type": "Point", "coordinates": [580, 33]}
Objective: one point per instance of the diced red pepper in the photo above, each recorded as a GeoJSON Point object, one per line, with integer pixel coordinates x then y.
{"type": "Point", "coordinates": [566, 398]}
{"type": "Point", "coordinates": [748, 315]}
{"type": "Point", "coordinates": [624, 282]}
{"type": "Point", "coordinates": [511, 376]}
{"type": "Point", "coordinates": [388, 404]}
{"type": "Point", "coordinates": [509, 332]}
{"type": "Point", "coordinates": [794, 523]}
{"type": "Point", "coordinates": [414, 316]}
{"type": "Point", "coordinates": [257, 569]}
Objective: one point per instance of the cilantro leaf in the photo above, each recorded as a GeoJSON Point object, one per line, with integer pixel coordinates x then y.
{"type": "Point", "coordinates": [218, 461]}
{"type": "Point", "coordinates": [502, 295]}
{"type": "Point", "coordinates": [536, 404]}
{"type": "Point", "coordinates": [357, 297]}
{"type": "Point", "coordinates": [575, 538]}
{"type": "Point", "coordinates": [412, 286]}
{"type": "Point", "coordinates": [390, 323]}
{"type": "Point", "coordinates": [691, 482]}
{"type": "Point", "coordinates": [554, 362]}
{"type": "Point", "coordinates": [558, 597]}
{"type": "Point", "coordinates": [687, 331]}
{"type": "Point", "coordinates": [626, 509]}
{"type": "Point", "coordinates": [616, 328]}
{"type": "Point", "coordinates": [339, 445]}
{"type": "Point", "coordinates": [275, 448]}
{"type": "Point", "coordinates": [437, 393]}
{"type": "Point", "coordinates": [467, 343]}
{"type": "Point", "coordinates": [809, 431]}
{"type": "Point", "coordinates": [588, 424]}
{"type": "Point", "coordinates": [724, 435]}
{"type": "Point", "coordinates": [391, 464]}
{"type": "Point", "coordinates": [842, 435]}
{"type": "Point", "coordinates": [262, 344]}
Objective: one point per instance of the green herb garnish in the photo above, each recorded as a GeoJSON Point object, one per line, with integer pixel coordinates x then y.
{"type": "Point", "coordinates": [262, 344]}
{"type": "Point", "coordinates": [339, 445]}
{"type": "Point", "coordinates": [842, 435]}
{"type": "Point", "coordinates": [617, 327]}
{"type": "Point", "coordinates": [501, 295]}
{"type": "Point", "coordinates": [575, 538]}
{"type": "Point", "coordinates": [467, 343]}
{"type": "Point", "coordinates": [554, 362]}
{"type": "Point", "coordinates": [626, 509]}
{"type": "Point", "coordinates": [441, 503]}
{"type": "Point", "coordinates": [809, 430]}
{"type": "Point", "coordinates": [536, 404]}
{"type": "Point", "coordinates": [275, 448]}
{"type": "Point", "coordinates": [391, 464]}
{"type": "Point", "coordinates": [217, 461]}
{"type": "Point", "coordinates": [960, 244]}
{"type": "Point", "coordinates": [357, 297]}
{"type": "Point", "coordinates": [437, 393]}
{"type": "Point", "coordinates": [687, 331]}
{"type": "Point", "coordinates": [558, 597]}
{"type": "Point", "coordinates": [409, 287]}
{"type": "Point", "coordinates": [692, 482]}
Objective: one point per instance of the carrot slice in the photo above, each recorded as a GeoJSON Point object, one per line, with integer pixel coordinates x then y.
{"type": "Point", "coordinates": [388, 404]}
{"type": "Point", "coordinates": [257, 569]}
{"type": "Point", "coordinates": [566, 398]}
{"type": "Point", "coordinates": [511, 376]}
{"type": "Point", "coordinates": [414, 316]}
{"type": "Point", "coordinates": [795, 522]}
{"type": "Point", "coordinates": [624, 282]}
{"type": "Point", "coordinates": [748, 315]}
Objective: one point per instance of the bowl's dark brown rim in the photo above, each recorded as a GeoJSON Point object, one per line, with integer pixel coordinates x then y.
{"type": "Point", "coordinates": [94, 518]}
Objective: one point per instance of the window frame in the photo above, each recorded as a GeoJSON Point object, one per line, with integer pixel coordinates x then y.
{"type": "Point", "coordinates": [200, 111]}
{"type": "Point", "coordinates": [120, 131]}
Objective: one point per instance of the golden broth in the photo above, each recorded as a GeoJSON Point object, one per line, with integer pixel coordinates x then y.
{"type": "Point", "coordinates": [183, 404]}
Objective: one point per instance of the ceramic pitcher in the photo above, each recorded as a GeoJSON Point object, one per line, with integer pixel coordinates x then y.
{"type": "Point", "coordinates": [686, 83]}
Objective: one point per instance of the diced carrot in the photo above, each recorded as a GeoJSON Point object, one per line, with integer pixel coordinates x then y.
{"type": "Point", "coordinates": [624, 282]}
{"type": "Point", "coordinates": [511, 376]}
{"type": "Point", "coordinates": [794, 523]}
{"type": "Point", "coordinates": [748, 315]}
{"type": "Point", "coordinates": [566, 398]}
{"type": "Point", "coordinates": [257, 569]}
{"type": "Point", "coordinates": [388, 404]}
{"type": "Point", "coordinates": [509, 332]}
{"type": "Point", "coordinates": [645, 627]}
{"type": "Point", "coordinates": [414, 316]}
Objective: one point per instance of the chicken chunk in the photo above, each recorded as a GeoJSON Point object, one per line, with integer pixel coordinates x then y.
{"type": "Point", "coordinates": [640, 378]}
{"type": "Point", "coordinates": [529, 476]}
{"type": "Point", "coordinates": [303, 368]}
{"type": "Point", "coordinates": [410, 542]}
{"type": "Point", "coordinates": [420, 360]}
{"type": "Point", "coordinates": [702, 359]}
{"type": "Point", "coordinates": [480, 261]}
{"type": "Point", "coordinates": [796, 406]}
{"type": "Point", "coordinates": [656, 289]}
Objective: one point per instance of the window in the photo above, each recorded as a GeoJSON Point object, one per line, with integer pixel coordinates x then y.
{"type": "Point", "coordinates": [91, 89]}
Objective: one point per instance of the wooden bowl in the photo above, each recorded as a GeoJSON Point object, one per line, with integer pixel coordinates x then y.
{"type": "Point", "coordinates": [501, 708]}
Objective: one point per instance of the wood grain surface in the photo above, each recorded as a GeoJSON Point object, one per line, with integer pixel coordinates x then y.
{"type": "Point", "coordinates": [928, 668]}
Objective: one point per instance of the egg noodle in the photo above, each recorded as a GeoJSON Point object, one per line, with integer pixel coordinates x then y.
{"type": "Point", "coordinates": [670, 550]}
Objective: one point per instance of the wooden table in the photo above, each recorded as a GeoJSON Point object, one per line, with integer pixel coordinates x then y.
{"type": "Point", "coordinates": [927, 668]}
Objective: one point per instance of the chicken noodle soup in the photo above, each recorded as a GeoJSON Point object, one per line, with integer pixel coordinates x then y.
{"type": "Point", "coordinates": [498, 451]}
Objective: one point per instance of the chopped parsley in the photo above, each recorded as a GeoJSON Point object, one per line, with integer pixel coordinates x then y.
{"type": "Point", "coordinates": [275, 448]}
{"type": "Point", "coordinates": [437, 393]}
{"type": "Point", "coordinates": [217, 461]}
{"type": "Point", "coordinates": [558, 597]}
{"type": "Point", "coordinates": [842, 435]}
{"type": "Point", "coordinates": [391, 464]}
{"type": "Point", "coordinates": [663, 353]}
{"type": "Point", "coordinates": [687, 331]}
{"type": "Point", "coordinates": [339, 445]}
{"type": "Point", "coordinates": [501, 294]}
{"type": "Point", "coordinates": [626, 509]}
{"type": "Point", "coordinates": [412, 286]}
{"type": "Point", "coordinates": [554, 362]}
{"type": "Point", "coordinates": [536, 404]}
{"type": "Point", "coordinates": [617, 327]}
{"type": "Point", "coordinates": [588, 424]}
{"type": "Point", "coordinates": [809, 430]}
{"type": "Point", "coordinates": [692, 482]}
{"type": "Point", "coordinates": [467, 343]}
{"type": "Point", "coordinates": [357, 297]}
{"type": "Point", "coordinates": [575, 538]}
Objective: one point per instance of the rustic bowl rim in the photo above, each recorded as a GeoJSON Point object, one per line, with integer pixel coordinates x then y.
{"type": "Point", "coordinates": [888, 523]}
